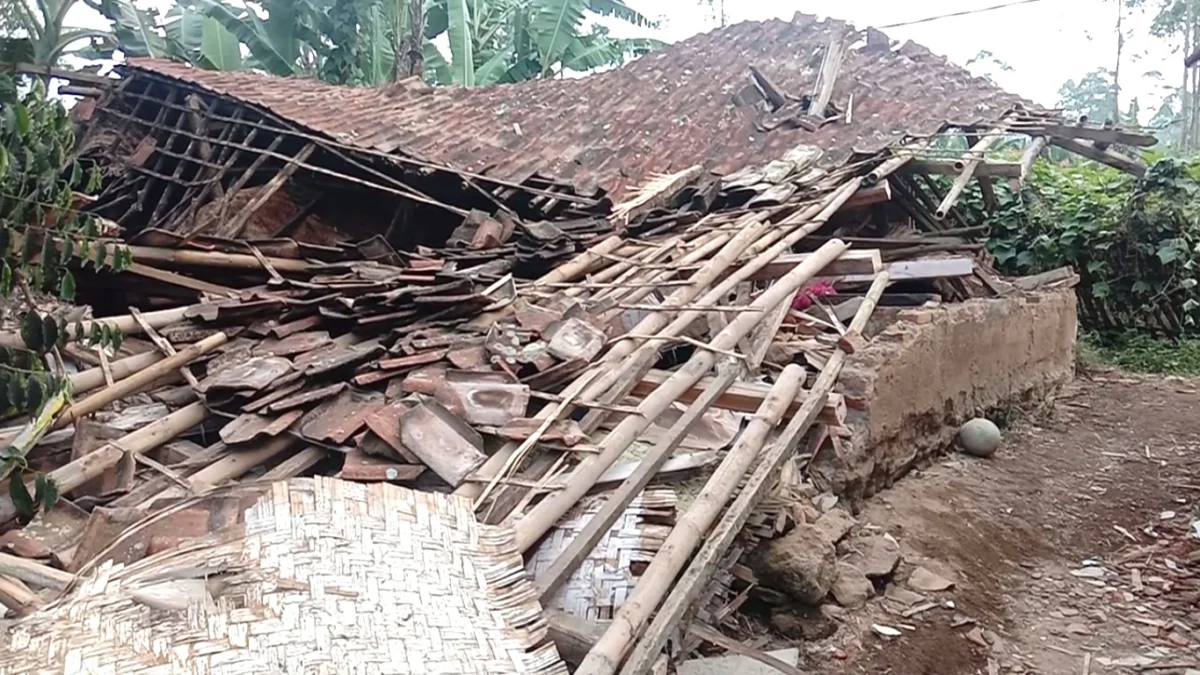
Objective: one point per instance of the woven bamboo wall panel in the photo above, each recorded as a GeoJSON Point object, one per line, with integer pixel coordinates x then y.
{"type": "Point", "coordinates": [323, 576]}
{"type": "Point", "coordinates": [607, 576]}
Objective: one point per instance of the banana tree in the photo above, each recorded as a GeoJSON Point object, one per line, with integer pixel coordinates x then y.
{"type": "Point", "coordinates": [39, 33]}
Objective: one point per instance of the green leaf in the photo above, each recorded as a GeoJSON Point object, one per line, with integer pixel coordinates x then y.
{"type": "Point", "coordinates": [30, 249]}
{"type": "Point", "coordinates": [1188, 284]}
{"type": "Point", "coordinates": [35, 394]}
{"type": "Point", "coordinates": [16, 391]}
{"type": "Point", "coordinates": [99, 259]}
{"type": "Point", "coordinates": [554, 24]}
{"type": "Point", "coordinates": [1190, 305]}
{"type": "Point", "coordinates": [66, 288]}
{"type": "Point", "coordinates": [1141, 287]}
{"type": "Point", "coordinates": [252, 32]}
{"type": "Point", "coordinates": [462, 54]}
{"type": "Point", "coordinates": [31, 332]}
{"type": "Point", "coordinates": [136, 30]}
{"type": "Point", "coordinates": [220, 47]}
{"type": "Point", "coordinates": [45, 491]}
{"type": "Point", "coordinates": [21, 117]}
{"type": "Point", "coordinates": [21, 499]}
{"type": "Point", "coordinates": [1101, 290]}
{"type": "Point", "coordinates": [50, 331]}
{"type": "Point", "coordinates": [1168, 253]}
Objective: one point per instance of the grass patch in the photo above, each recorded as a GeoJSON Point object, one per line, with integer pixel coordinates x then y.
{"type": "Point", "coordinates": [1143, 354]}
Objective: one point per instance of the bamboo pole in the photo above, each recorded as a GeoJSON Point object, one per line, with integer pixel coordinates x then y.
{"type": "Point", "coordinates": [31, 572]}
{"type": "Point", "coordinates": [650, 324]}
{"type": "Point", "coordinates": [968, 163]}
{"type": "Point", "coordinates": [1030, 156]}
{"type": "Point", "coordinates": [599, 524]}
{"type": "Point", "coordinates": [689, 587]}
{"type": "Point", "coordinates": [234, 464]}
{"type": "Point", "coordinates": [240, 261]}
{"type": "Point", "coordinates": [689, 530]}
{"type": "Point", "coordinates": [79, 471]}
{"type": "Point", "coordinates": [16, 596]}
{"type": "Point", "coordinates": [125, 324]}
{"type": "Point", "coordinates": [580, 264]}
{"type": "Point", "coordinates": [138, 381]}
{"type": "Point", "coordinates": [542, 517]}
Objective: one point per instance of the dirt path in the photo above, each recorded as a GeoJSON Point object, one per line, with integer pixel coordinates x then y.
{"type": "Point", "coordinates": [1069, 549]}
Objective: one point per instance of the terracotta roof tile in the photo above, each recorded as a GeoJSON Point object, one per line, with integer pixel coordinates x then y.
{"type": "Point", "coordinates": [663, 112]}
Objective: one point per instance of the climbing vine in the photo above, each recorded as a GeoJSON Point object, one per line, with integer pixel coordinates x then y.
{"type": "Point", "coordinates": [1133, 242]}
{"type": "Point", "coordinates": [44, 234]}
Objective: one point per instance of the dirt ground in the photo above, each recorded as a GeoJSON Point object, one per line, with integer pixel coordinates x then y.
{"type": "Point", "coordinates": [1070, 548]}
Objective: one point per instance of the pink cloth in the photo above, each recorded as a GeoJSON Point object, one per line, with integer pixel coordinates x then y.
{"type": "Point", "coordinates": [806, 296]}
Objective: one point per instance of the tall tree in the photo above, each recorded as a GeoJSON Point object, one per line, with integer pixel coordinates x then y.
{"type": "Point", "coordinates": [1091, 96]}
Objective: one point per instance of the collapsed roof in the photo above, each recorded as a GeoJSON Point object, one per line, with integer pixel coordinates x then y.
{"type": "Point", "coordinates": [691, 103]}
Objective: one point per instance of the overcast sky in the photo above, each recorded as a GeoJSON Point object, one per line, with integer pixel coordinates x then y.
{"type": "Point", "coordinates": [1046, 43]}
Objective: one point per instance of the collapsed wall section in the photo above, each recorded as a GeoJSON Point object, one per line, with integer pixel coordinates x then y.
{"type": "Point", "coordinates": [932, 369]}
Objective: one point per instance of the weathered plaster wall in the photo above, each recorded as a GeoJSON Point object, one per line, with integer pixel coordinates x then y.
{"type": "Point", "coordinates": [932, 369]}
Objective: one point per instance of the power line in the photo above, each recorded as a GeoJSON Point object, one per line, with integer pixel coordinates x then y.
{"type": "Point", "coordinates": [963, 13]}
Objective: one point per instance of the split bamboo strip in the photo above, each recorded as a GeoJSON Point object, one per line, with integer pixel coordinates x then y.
{"type": "Point", "coordinates": [709, 244]}
{"type": "Point", "coordinates": [700, 570]}
{"type": "Point", "coordinates": [542, 517]}
{"type": "Point", "coordinates": [599, 524]}
{"type": "Point", "coordinates": [79, 471]}
{"type": "Point", "coordinates": [234, 464]}
{"type": "Point", "coordinates": [689, 530]}
{"type": "Point", "coordinates": [124, 324]}
{"type": "Point", "coordinates": [632, 269]}
{"type": "Point", "coordinates": [138, 381]}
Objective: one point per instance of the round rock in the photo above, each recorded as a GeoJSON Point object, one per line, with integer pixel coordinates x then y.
{"type": "Point", "coordinates": [979, 437]}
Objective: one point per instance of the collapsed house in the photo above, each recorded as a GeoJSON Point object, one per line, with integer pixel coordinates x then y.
{"type": "Point", "coordinates": [565, 303]}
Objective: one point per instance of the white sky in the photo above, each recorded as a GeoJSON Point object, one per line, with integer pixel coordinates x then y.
{"type": "Point", "coordinates": [1046, 42]}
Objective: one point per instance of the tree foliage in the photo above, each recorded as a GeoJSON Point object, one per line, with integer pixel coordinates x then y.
{"type": "Point", "coordinates": [368, 42]}
{"type": "Point", "coordinates": [43, 234]}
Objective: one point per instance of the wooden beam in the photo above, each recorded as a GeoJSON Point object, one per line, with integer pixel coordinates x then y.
{"type": "Point", "coordinates": [854, 261]}
{"type": "Point", "coordinates": [1111, 136]}
{"type": "Point", "coordinates": [176, 279]}
{"type": "Point", "coordinates": [743, 396]}
{"type": "Point", "coordinates": [867, 196]}
{"type": "Point", "coordinates": [912, 270]}
{"type": "Point", "coordinates": [1106, 156]}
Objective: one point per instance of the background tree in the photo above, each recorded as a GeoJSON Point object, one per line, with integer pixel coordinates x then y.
{"type": "Point", "coordinates": [1092, 96]}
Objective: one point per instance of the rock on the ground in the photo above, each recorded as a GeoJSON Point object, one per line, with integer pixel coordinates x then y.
{"type": "Point", "coordinates": [834, 525]}
{"type": "Point", "coordinates": [924, 580]}
{"type": "Point", "coordinates": [979, 437]}
{"type": "Point", "coordinates": [803, 623]}
{"type": "Point", "coordinates": [902, 595]}
{"type": "Point", "coordinates": [852, 588]}
{"type": "Point", "coordinates": [801, 564]}
{"type": "Point", "coordinates": [876, 556]}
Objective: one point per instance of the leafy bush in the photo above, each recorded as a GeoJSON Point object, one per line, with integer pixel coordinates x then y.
{"type": "Point", "coordinates": [43, 232]}
{"type": "Point", "coordinates": [1134, 243]}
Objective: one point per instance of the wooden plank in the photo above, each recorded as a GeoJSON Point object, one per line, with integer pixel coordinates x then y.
{"type": "Point", "coordinates": [1097, 135]}
{"type": "Point", "coordinates": [855, 261]}
{"type": "Point", "coordinates": [1106, 156]}
{"type": "Point", "coordinates": [913, 270]}
{"type": "Point", "coordinates": [743, 396]}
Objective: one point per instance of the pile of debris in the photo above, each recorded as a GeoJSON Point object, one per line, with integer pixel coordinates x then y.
{"type": "Point", "coordinates": [538, 353]}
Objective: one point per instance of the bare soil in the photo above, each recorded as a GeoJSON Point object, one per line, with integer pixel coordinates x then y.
{"type": "Point", "coordinates": [1070, 548]}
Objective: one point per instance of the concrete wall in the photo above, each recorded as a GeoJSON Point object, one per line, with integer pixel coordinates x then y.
{"type": "Point", "coordinates": [932, 369]}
